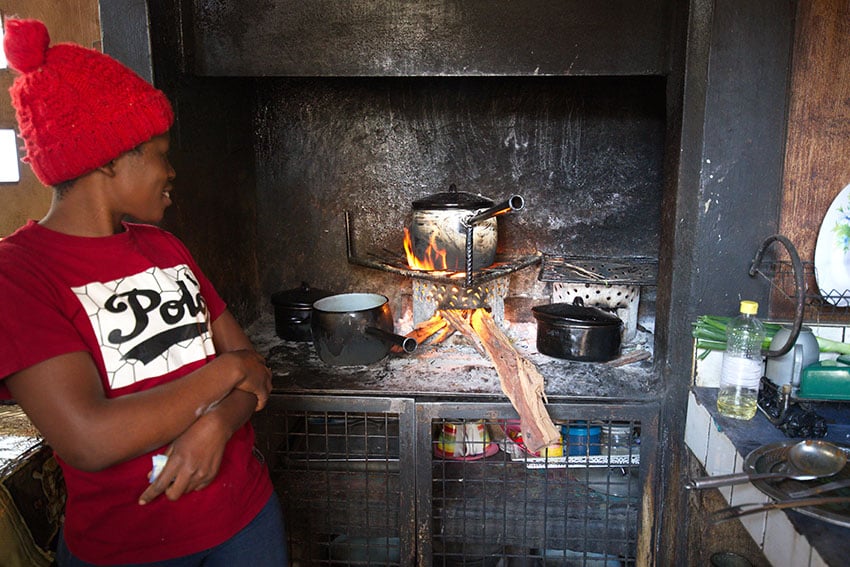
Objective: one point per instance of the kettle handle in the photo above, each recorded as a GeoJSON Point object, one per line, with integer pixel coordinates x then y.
{"type": "Point", "coordinates": [799, 289]}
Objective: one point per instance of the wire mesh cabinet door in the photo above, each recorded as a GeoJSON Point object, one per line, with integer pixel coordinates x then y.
{"type": "Point", "coordinates": [483, 498]}
{"type": "Point", "coordinates": [343, 468]}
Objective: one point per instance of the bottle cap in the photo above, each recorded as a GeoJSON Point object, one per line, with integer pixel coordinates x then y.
{"type": "Point", "coordinates": [749, 307]}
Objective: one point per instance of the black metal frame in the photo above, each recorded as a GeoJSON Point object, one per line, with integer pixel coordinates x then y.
{"type": "Point", "coordinates": [481, 508]}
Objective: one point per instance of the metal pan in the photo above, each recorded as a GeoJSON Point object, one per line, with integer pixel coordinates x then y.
{"type": "Point", "coordinates": [805, 460]}
{"type": "Point", "coordinates": [352, 329]}
{"type": "Point", "coordinates": [773, 458]}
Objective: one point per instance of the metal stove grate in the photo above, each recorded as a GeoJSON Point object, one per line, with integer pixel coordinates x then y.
{"type": "Point", "coordinates": [396, 263]}
{"type": "Point", "coordinates": [634, 270]}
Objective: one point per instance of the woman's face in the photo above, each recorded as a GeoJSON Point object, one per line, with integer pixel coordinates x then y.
{"type": "Point", "coordinates": [143, 181]}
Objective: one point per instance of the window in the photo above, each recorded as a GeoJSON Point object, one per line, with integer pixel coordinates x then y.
{"type": "Point", "coordinates": [9, 171]}
{"type": "Point", "coordinates": [3, 64]}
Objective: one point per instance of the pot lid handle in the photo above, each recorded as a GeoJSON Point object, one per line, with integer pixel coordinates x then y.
{"type": "Point", "coordinates": [453, 199]}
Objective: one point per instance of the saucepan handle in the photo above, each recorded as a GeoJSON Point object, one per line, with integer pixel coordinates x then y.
{"type": "Point", "coordinates": [407, 344]}
{"type": "Point", "coordinates": [729, 479]}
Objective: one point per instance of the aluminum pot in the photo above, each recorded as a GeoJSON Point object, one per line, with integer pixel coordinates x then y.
{"type": "Point", "coordinates": [352, 329]}
{"type": "Point", "coordinates": [574, 332]}
{"type": "Point", "coordinates": [442, 222]}
{"type": "Point", "coordinates": [292, 311]}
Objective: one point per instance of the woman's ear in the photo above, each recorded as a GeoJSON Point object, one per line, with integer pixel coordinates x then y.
{"type": "Point", "coordinates": [108, 169]}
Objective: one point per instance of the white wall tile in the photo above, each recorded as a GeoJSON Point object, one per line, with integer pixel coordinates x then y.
{"type": "Point", "coordinates": [696, 429]}
{"type": "Point", "coordinates": [782, 544]}
{"type": "Point", "coordinates": [816, 560]}
{"type": "Point", "coordinates": [707, 370]}
{"type": "Point", "coordinates": [720, 458]}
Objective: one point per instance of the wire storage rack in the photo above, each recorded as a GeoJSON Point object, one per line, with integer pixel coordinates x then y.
{"type": "Point", "coordinates": [391, 481]}
{"type": "Point", "coordinates": [576, 504]}
{"type": "Point", "coordinates": [827, 306]}
{"type": "Point", "coordinates": [345, 483]}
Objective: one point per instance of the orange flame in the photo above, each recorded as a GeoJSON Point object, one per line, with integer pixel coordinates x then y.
{"type": "Point", "coordinates": [435, 257]}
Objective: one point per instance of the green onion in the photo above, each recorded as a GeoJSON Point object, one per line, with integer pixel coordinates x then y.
{"type": "Point", "coordinates": [710, 334]}
{"type": "Point", "coordinates": [829, 345]}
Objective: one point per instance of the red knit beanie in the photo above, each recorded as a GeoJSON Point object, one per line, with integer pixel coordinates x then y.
{"type": "Point", "coordinates": [77, 108]}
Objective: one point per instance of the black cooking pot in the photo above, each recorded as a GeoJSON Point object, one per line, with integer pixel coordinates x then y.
{"type": "Point", "coordinates": [292, 310]}
{"type": "Point", "coordinates": [352, 329]}
{"type": "Point", "coordinates": [575, 332]}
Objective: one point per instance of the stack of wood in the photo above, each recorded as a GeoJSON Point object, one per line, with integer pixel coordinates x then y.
{"type": "Point", "coordinates": [521, 382]}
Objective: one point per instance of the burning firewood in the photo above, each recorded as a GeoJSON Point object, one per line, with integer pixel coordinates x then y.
{"type": "Point", "coordinates": [436, 328]}
{"type": "Point", "coordinates": [458, 319]}
{"type": "Point", "coordinates": [521, 382]}
{"type": "Point", "coordinates": [432, 326]}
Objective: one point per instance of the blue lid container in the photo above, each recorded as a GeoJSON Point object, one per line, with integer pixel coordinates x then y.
{"type": "Point", "coordinates": [583, 439]}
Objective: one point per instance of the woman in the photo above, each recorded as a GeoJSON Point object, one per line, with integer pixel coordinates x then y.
{"type": "Point", "coordinates": [114, 342]}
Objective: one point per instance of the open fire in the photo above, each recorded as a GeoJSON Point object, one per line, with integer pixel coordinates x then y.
{"type": "Point", "coordinates": [520, 380]}
{"type": "Point", "coordinates": [434, 257]}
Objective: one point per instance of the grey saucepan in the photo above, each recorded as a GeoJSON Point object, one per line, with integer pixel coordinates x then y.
{"type": "Point", "coordinates": [352, 329]}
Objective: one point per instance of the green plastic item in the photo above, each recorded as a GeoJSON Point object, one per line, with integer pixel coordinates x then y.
{"type": "Point", "coordinates": [826, 380]}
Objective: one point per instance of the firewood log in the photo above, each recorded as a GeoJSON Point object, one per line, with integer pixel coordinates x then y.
{"type": "Point", "coordinates": [426, 329]}
{"type": "Point", "coordinates": [521, 382]}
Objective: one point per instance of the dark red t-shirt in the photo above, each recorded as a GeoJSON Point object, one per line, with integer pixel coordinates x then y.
{"type": "Point", "coordinates": [140, 305]}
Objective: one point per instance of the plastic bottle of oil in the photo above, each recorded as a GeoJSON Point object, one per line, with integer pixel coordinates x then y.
{"type": "Point", "coordinates": [743, 365]}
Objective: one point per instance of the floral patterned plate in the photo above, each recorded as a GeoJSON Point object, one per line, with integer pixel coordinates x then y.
{"type": "Point", "coordinates": [832, 252]}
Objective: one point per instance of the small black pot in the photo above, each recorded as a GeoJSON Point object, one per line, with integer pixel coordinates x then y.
{"type": "Point", "coordinates": [292, 312]}
{"type": "Point", "coordinates": [576, 332]}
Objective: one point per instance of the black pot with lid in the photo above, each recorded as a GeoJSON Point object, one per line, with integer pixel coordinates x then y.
{"type": "Point", "coordinates": [293, 309]}
{"type": "Point", "coordinates": [574, 332]}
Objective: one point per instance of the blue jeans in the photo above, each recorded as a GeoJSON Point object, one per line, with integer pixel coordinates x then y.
{"type": "Point", "coordinates": [262, 543]}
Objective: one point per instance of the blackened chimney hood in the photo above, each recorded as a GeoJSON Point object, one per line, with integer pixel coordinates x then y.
{"type": "Point", "coordinates": [432, 38]}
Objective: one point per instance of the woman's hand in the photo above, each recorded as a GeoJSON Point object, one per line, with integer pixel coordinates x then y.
{"type": "Point", "coordinates": [194, 458]}
{"type": "Point", "coordinates": [193, 462]}
{"type": "Point", "coordinates": [230, 340]}
{"type": "Point", "coordinates": [257, 376]}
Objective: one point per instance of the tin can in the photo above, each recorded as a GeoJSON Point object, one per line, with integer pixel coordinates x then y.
{"type": "Point", "coordinates": [583, 439]}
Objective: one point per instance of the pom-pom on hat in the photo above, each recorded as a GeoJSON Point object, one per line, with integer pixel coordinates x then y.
{"type": "Point", "coordinates": [77, 108]}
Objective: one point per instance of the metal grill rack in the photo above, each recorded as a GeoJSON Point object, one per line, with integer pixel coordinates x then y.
{"type": "Point", "coordinates": [396, 263]}
{"type": "Point", "coordinates": [370, 482]}
{"type": "Point", "coordinates": [503, 266]}
{"type": "Point", "coordinates": [634, 270]}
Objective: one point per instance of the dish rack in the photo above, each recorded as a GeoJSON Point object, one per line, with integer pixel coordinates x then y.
{"type": "Point", "coordinates": [794, 281]}
{"type": "Point", "coordinates": [783, 279]}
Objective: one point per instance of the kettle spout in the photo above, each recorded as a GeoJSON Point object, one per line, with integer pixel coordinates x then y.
{"type": "Point", "coordinates": [512, 203]}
